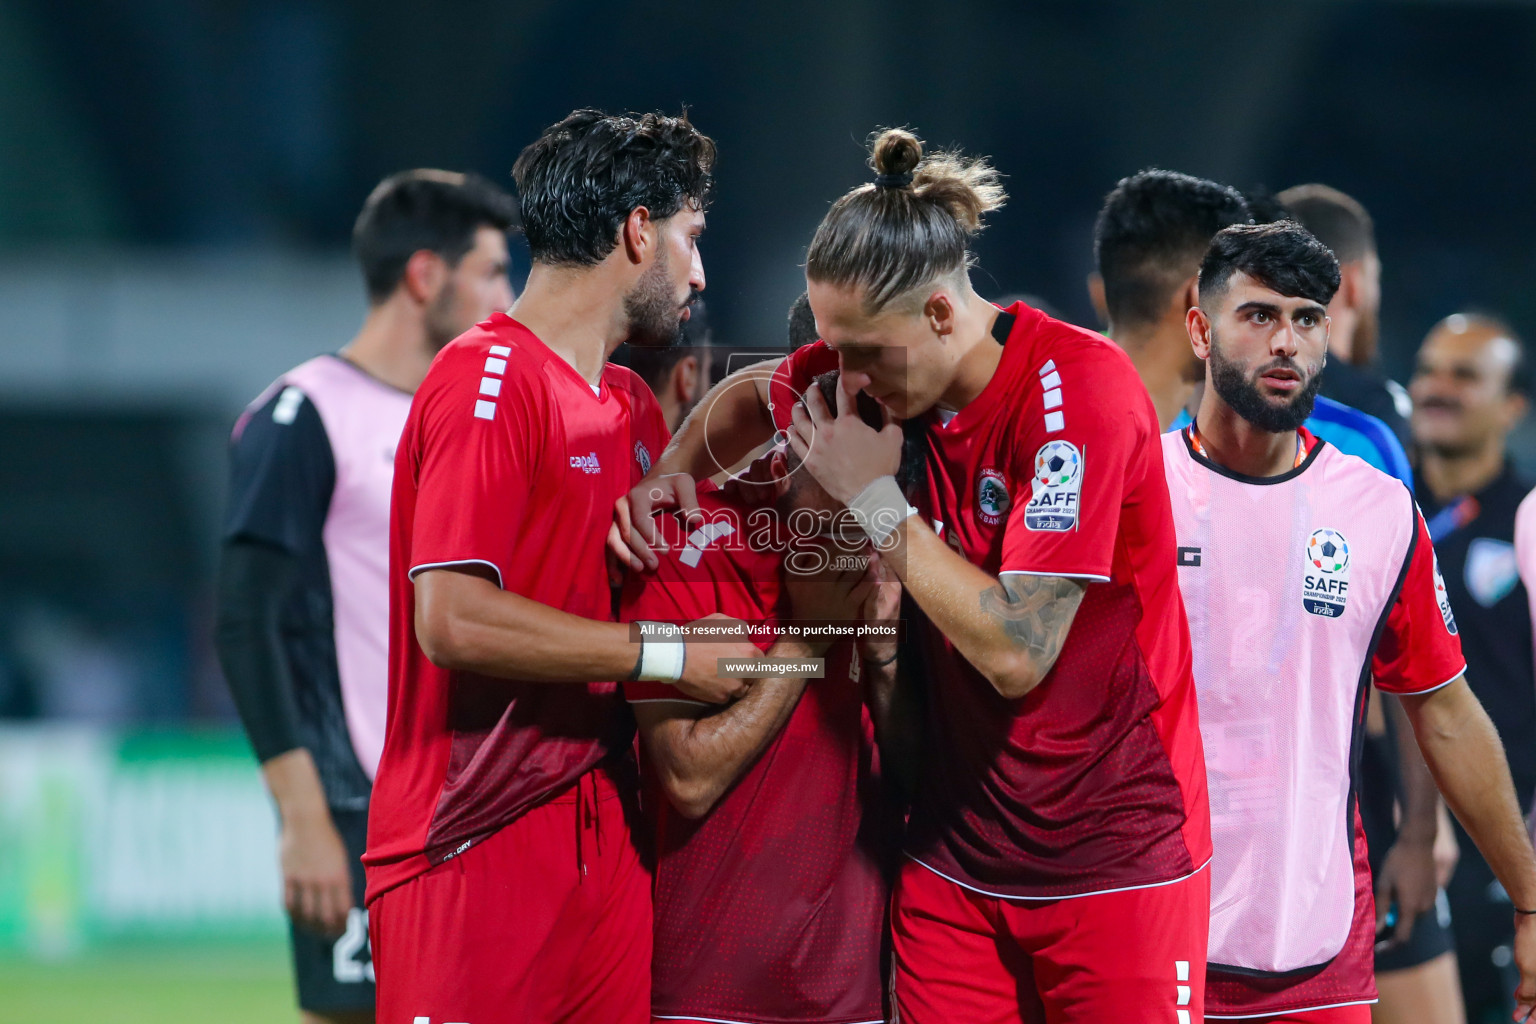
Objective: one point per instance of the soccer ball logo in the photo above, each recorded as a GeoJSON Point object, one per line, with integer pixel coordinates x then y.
{"type": "Point", "coordinates": [1328, 550]}
{"type": "Point", "coordinates": [1057, 463]}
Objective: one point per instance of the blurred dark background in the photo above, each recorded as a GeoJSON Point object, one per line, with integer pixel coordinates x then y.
{"type": "Point", "coordinates": [178, 180]}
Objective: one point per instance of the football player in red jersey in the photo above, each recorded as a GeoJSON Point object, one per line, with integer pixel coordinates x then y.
{"type": "Point", "coordinates": [1058, 842]}
{"type": "Point", "coordinates": [775, 838]}
{"type": "Point", "coordinates": [504, 884]}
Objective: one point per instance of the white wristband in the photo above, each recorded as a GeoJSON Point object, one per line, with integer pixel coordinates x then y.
{"type": "Point", "coordinates": [880, 508]}
{"type": "Point", "coordinates": [661, 661]}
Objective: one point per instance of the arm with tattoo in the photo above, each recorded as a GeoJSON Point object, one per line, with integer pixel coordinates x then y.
{"type": "Point", "coordinates": [1011, 629]}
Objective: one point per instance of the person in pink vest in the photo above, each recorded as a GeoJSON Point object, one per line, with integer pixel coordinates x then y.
{"type": "Point", "coordinates": [1306, 573]}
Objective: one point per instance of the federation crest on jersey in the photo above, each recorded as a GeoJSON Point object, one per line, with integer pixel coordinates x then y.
{"type": "Point", "coordinates": [991, 497]}
{"type": "Point", "coordinates": [1056, 488]}
{"type": "Point", "coordinates": [1325, 580]}
{"type": "Point", "coordinates": [643, 457]}
{"type": "Point", "coordinates": [1444, 600]}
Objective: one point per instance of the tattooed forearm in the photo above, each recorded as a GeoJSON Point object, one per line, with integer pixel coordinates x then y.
{"type": "Point", "coordinates": [1035, 612]}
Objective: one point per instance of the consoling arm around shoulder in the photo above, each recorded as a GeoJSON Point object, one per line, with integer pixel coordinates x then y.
{"type": "Point", "coordinates": [1011, 628]}
{"type": "Point", "coordinates": [699, 751]}
{"type": "Point", "coordinates": [465, 622]}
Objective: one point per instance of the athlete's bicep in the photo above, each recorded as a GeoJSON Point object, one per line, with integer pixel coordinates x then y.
{"type": "Point", "coordinates": [1072, 478]}
{"type": "Point", "coordinates": [1420, 649]}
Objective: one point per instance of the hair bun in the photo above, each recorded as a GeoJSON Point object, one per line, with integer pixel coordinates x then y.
{"type": "Point", "coordinates": [896, 152]}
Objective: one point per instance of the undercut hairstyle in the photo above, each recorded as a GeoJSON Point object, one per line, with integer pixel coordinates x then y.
{"type": "Point", "coordinates": [1338, 220]}
{"type": "Point", "coordinates": [1283, 256]}
{"type": "Point", "coordinates": [910, 227]}
{"type": "Point", "coordinates": [802, 323]}
{"type": "Point", "coordinates": [1150, 235]}
{"type": "Point", "coordinates": [584, 175]}
{"type": "Point", "coordinates": [436, 211]}
{"type": "Point", "coordinates": [654, 364]}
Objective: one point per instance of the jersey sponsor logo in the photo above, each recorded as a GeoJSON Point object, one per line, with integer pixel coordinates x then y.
{"type": "Point", "coordinates": [1189, 557]}
{"type": "Point", "coordinates": [586, 463]}
{"type": "Point", "coordinates": [991, 497]}
{"type": "Point", "coordinates": [1444, 600]}
{"type": "Point", "coordinates": [1325, 583]}
{"type": "Point", "coordinates": [1056, 486]}
{"type": "Point", "coordinates": [1492, 572]}
{"type": "Point", "coordinates": [643, 457]}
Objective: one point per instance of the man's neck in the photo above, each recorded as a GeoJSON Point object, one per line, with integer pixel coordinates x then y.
{"type": "Point", "coordinates": [392, 345]}
{"type": "Point", "coordinates": [978, 362]}
{"type": "Point", "coordinates": [1160, 354]}
{"type": "Point", "coordinates": [1453, 475]}
{"type": "Point", "coordinates": [1233, 443]}
{"type": "Point", "coordinates": [577, 312]}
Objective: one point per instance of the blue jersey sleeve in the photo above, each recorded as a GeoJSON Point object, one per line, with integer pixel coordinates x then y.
{"type": "Point", "coordinates": [1362, 435]}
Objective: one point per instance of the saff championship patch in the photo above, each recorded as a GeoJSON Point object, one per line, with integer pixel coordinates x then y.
{"type": "Point", "coordinates": [1325, 583]}
{"type": "Point", "coordinates": [1444, 600]}
{"type": "Point", "coordinates": [1057, 486]}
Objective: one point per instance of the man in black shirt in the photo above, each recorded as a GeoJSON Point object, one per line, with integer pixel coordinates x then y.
{"type": "Point", "coordinates": [1343, 225]}
{"type": "Point", "coordinates": [1469, 393]}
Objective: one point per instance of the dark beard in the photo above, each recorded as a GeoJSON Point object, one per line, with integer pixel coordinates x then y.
{"type": "Point", "coordinates": [1245, 399]}
{"type": "Point", "coordinates": [652, 312]}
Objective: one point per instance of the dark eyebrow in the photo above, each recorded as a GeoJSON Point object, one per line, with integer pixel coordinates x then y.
{"type": "Point", "coordinates": [1312, 309]}
{"type": "Point", "coordinates": [1259, 307]}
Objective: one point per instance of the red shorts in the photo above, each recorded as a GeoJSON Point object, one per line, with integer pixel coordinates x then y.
{"type": "Point", "coordinates": [548, 919]}
{"type": "Point", "coordinates": [1134, 957]}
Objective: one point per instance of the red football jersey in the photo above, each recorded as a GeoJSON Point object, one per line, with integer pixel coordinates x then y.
{"type": "Point", "coordinates": [1095, 780]}
{"type": "Point", "coordinates": [511, 461]}
{"type": "Point", "coordinates": [771, 907]}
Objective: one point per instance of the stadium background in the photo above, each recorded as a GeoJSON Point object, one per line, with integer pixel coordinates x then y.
{"type": "Point", "coordinates": [177, 182]}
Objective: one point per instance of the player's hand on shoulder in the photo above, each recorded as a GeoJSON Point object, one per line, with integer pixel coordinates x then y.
{"type": "Point", "coordinates": [701, 678]}
{"type": "Point", "coordinates": [634, 538]}
{"type": "Point", "coordinates": [317, 874]}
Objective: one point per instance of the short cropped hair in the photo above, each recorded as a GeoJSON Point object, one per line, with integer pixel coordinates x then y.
{"type": "Point", "coordinates": [1151, 232]}
{"type": "Point", "coordinates": [1338, 220]}
{"type": "Point", "coordinates": [802, 323]}
{"type": "Point", "coordinates": [438, 211]}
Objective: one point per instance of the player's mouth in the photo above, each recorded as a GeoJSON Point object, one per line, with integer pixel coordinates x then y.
{"type": "Point", "coordinates": [1282, 379]}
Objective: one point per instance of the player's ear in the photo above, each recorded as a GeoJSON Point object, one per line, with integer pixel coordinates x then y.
{"type": "Point", "coordinates": [685, 378]}
{"type": "Point", "coordinates": [424, 276]}
{"type": "Point", "coordinates": [940, 313]}
{"type": "Point", "coordinates": [637, 235]}
{"type": "Point", "coordinates": [1096, 296]}
{"type": "Point", "coordinates": [1199, 327]}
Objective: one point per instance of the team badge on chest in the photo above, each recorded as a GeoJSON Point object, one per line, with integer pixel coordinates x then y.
{"type": "Point", "coordinates": [1325, 581]}
{"type": "Point", "coordinates": [1056, 488]}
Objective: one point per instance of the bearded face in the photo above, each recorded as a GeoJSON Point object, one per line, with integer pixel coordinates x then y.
{"type": "Point", "coordinates": [1239, 386]}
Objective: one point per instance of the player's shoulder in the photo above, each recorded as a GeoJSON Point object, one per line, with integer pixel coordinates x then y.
{"type": "Point", "coordinates": [286, 406]}
{"type": "Point", "coordinates": [1358, 480]}
{"type": "Point", "coordinates": [495, 363]}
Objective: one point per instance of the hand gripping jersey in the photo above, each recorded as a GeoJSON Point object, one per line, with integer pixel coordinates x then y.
{"type": "Point", "coordinates": [313, 461]}
{"type": "Point", "coordinates": [1299, 588]}
{"type": "Point", "coordinates": [1095, 780]}
{"type": "Point", "coordinates": [511, 462]}
{"type": "Point", "coordinates": [771, 907]}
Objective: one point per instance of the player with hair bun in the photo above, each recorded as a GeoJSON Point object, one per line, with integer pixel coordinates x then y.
{"type": "Point", "coordinates": [1057, 846]}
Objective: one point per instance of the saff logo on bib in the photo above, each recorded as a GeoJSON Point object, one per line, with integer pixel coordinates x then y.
{"type": "Point", "coordinates": [991, 497]}
{"type": "Point", "coordinates": [1056, 487]}
{"type": "Point", "coordinates": [1325, 582]}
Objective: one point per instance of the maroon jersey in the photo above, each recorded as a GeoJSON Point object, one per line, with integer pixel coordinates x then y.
{"type": "Point", "coordinates": [771, 907]}
{"type": "Point", "coordinates": [1095, 780]}
{"type": "Point", "coordinates": [512, 462]}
